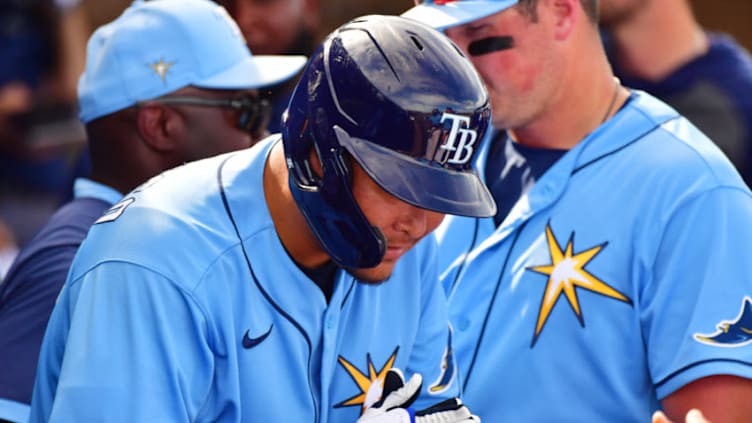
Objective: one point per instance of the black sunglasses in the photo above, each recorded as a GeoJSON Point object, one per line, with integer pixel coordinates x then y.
{"type": "Point", "coordinates": [253, 113]}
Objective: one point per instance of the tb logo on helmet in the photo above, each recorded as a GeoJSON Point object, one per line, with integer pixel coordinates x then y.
{"type": "Point", "coordinates": [462, 146]}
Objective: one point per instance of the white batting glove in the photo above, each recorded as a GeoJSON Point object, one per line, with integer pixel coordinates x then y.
{"type": "Point", "coordinates": [394, 406]}
{"type": "Point", "coordinates": [449, 411]}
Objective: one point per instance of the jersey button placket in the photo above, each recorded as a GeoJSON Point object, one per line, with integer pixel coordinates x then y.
{"type": "Point", "coordinates": [328, 365]}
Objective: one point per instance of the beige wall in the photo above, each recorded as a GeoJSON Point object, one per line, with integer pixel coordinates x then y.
{"type": "Point", "coordinates": [333, 12]}
{"type": "Point", "coordinates": [336, 12]}
{"type": "Point", "coordinates": [732, 16]}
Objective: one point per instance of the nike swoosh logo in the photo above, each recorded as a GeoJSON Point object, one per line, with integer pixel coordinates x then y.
{"type": "Point", "coordinates": [249, 342]}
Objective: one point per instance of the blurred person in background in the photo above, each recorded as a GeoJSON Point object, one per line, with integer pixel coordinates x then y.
{"type": "Point", "coordinates": [42, 46]}
{"type": "Point", "coordinates": [658, 46]}
{"type": "Point", "coordinates": [8, 249]}
{"type": "Point", "coordinates": [152, 97]}
{"type": "Point", "coordinates": [277, 27]}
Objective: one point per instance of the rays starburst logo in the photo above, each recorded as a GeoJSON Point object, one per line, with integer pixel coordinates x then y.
{"type": "Point", "coordinates": [566, 274]}
{"type": "Point", "coordinates": [370, 382]}
{"type": "Point", "coordinates": [161, 68]}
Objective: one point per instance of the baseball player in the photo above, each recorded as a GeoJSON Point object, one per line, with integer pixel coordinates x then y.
{"type": "Point", "coordinates": [284, 282]}
{"type": "Point", "coordinates": [616, 277]}
{"type": "Point", "coordinates": [153, 87]}
{"type": "Point", "coordinates": [660, 47]}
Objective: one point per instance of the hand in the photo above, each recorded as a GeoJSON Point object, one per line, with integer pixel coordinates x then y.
{"type": "Point", "coordinates": [693, 416]}
{"type": "Point", "coordinates": [397, 396]}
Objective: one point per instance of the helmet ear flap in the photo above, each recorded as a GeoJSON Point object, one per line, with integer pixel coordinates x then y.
{"type": "Point", "coordinates": [314, 167]}
{"type": "Point", "coordinates": [338, 222]}
{"type": "Point", "coordinates": [300, 152]}
{"type": "Point", "coordinates": [335, 163]}
{"type": "Point", "coordinates": [321, 184]}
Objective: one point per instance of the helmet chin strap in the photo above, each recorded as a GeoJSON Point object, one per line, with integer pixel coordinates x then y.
{"type": "Point", "coordinates": [490, 45]}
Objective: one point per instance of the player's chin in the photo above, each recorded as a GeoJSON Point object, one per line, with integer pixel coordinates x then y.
{"type": "Point", "coordinates": [374, 275]}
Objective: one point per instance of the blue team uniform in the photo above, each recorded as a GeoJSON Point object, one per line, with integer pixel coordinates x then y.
{"type": "Point", "coordinates": [28, 292]}
{"type": "Point", "coordinates": [622, 275]}
{"type": "Point", "coordinates": [167, 316]}
{"type": "Point", "coordinates": [457, 235]}
{"type": "Point", "coordinates": [508, 169]}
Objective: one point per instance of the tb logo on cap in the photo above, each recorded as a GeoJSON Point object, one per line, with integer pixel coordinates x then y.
{"type": "Point", "coordinates": [461, 140]}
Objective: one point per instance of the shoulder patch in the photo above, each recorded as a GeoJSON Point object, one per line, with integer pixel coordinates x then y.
{"type": "Point", "coordinates": [735, 333]}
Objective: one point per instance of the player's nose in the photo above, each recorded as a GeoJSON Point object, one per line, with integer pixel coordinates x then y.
{"type": "Point", "coordinates": [417, 222]}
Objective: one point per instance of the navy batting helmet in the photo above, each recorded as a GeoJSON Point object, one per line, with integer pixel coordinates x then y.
{"type": "Point", "coordinates": [402, 100]}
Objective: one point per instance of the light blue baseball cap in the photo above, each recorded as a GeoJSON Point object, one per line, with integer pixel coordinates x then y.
{"type": "Point", "coordinates": [443, 14]}
{"type": "Point", "coordinates": [157, 47]}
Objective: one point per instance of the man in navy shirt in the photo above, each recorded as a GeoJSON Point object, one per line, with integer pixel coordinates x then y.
{"type": "Point", "coordinates": [152, 97]}
{"type": "Point", "coordinates": [659, 47]}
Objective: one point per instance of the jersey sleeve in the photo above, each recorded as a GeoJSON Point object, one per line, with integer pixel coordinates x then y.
{"type": "Point", "coordinates": [137, 349]}
{"type": "Point", "coordinates": [701, 277]}
{"type": "Point", "coordinates": [433, 356]}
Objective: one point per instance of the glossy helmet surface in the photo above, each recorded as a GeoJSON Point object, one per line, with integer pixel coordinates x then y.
{"type": "Point", "coordinates": [401, 100]}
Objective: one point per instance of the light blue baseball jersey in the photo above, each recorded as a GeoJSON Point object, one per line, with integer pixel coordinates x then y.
{"type": "Point", "coordinates": [167, 316]}
{"type": "Point", "coordinates": [458, 235]}
{"type": "Point", "coordinates": [623, 274]}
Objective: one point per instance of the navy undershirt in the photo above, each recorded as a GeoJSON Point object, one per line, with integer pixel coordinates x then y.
{"type": "Point", "coordinates": [323, 276]}
{"type": "Point", "coordinates": [512, 170]}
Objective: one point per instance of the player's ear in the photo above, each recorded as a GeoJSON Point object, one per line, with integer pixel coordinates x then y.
{"type": "Point", "coordinates": [565, 15]}
{"type": "Point", "coordinates": [318, 169]}
{"type": "Point", "coordinates": [156, 124]}
{"type": "Point", "coordinates": [315, 162]}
